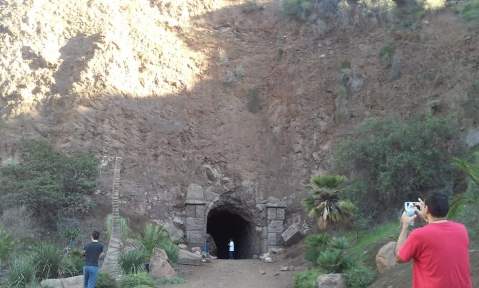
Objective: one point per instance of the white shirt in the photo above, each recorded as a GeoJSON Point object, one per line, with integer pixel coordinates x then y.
{"type": "Point", "coordinates": [231, 246]}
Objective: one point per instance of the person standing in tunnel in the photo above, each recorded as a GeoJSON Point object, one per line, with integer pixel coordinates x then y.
{"type": "Point", "coordinates": [231, 249]}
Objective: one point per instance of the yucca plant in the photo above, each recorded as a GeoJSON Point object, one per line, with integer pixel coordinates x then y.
{"type": "Point", "coordinates": [22, 272]}
{"type": "Point", "coordinates": [133, 261]}
{"type": "Point", "coordinates": [155, 236]}
{"type": "Point", "coordinates": [47, 260]}
{"type": "Point", "coordinates": [324, 202]}
{"type": "Point", "coordinates": [333, 260]}
{"type": "Point", "coordinates": [314, 245]}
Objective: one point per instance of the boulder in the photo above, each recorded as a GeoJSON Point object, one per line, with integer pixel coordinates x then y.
{"type": "Point", "coordinates": [72, 282]}
{"type": "Point", "coordinates": [331, 281]}
{"type": "Point", "coordinates": [175, 233]}
{"type": "Point", "coordinates": [186, 257]}
{"type": "Point", "coordinates": [386, 257]}
{"type": "Point", "coordinates": [472, 138]}
{"type": "Point", "coordinates": [159, 265]}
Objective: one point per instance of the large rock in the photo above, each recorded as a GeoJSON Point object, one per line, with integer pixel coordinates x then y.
{"type": "Point", "coordinates": [331, 281]}
{"type": "Point", "coordinates": [175, 233]}
{"type": "Point", "coordinates": [72, 282]}
{"type": "Point", "coordinates": [386, 257]}
{"type": "Point", "coordinates": [472, 138]}
{"type": "Point", "coordinates": [159, 265]}
{"type": "Point", "coordinates": [186, 257]}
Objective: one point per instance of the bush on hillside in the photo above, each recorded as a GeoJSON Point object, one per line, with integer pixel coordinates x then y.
{"type": "Point", "coordinates": [21, 272]}
{"type": "Point", "coordinates": [134, 280]}
{"type": "Point", "coordinates": [391, 160]}
{"type": "Point", "coordinates": [6, 245]}
{"type": "Point", "coordinates": [315, 243]}
{"type": "Point", "coordinates": [170, 281]}
{"type": "Point", "coordinates": [298, 9]}
{"type": "Point", "coordinates": [306, 279]}
{"type": "Point", "coordinates": [72, 264]}
{"type": "Point", "coordinates": [470, 11]}
{"type": "Point", "coordinates": [48, 182]}
{"type": "Point", "coordinates": [359, 276]}
{"type": "Point", "coordinates": [105, 281]}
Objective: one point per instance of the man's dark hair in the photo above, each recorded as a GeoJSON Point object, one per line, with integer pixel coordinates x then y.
{"type": "Point", "coordinates": [438, 205]}
{"type": "Point", "coordinates": [95, 235]}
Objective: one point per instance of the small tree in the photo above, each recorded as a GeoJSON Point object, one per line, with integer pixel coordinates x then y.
{"type": "Point", "coordinates": [324, 201]}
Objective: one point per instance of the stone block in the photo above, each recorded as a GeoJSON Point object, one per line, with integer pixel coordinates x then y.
{"type": "Point", "coordinates": [280, 213]}
{"type": "Point", "coordinates": [292, 234]}
{"type": "Point", "coordinates": [195, 192]}
{"type": "Point", "coordinates": [275, 226]}
{"type": "Point", "coordinates": [271, 213]}
{"type": "Point", "coordinates": [195, 223]}
{"type": "Point", "coordinates": [190, 210]}
{"type": "Point", "coordinates": [194, 237]}
{"type": "Point", "coordinates": [272, 239]}
{"type": "Point", "coordinates": [200, 210]}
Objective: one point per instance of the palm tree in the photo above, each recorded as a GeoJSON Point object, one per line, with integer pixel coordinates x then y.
{"type": "Point", "coordinates": [324, 203]}
{"type": "Point", "coordinates": [111, 264]}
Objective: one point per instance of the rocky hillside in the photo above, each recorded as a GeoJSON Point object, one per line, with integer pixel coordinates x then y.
{"type": "Point", "coordinates": [230, 95]}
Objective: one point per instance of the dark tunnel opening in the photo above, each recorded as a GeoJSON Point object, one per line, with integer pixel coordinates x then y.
{"type": "Point", "coordinates": [224, 225]}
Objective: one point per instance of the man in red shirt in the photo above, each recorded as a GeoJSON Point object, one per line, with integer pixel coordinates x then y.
{"type": "Point", "coordinates": [439, 250]}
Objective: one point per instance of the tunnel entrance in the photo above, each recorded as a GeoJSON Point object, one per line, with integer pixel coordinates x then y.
{"type": "Point", "coordinates": [224, 225]}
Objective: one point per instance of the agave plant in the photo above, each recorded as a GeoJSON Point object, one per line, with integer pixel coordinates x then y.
{"type": "Point", "coordinates": [324, 203]}
{"type": "Point", "coordinates": [471, 169]}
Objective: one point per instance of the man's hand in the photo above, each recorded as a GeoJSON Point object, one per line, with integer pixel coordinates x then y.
{"type": "Point", "coordinates": [406, 220]}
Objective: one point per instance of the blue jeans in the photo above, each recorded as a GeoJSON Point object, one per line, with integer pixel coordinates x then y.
{"type": "Point", "coordinates": [90, 273]}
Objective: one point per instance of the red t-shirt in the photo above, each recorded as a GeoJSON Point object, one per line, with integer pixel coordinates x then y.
{"type": "Point", "coordinates": [441, 256]}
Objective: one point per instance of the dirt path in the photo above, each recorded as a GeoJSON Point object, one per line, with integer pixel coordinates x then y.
{"type": "Point", "coordinates": [236, 274]}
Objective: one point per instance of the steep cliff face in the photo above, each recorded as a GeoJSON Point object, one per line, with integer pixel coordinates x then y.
{"type": "Point", "coordinates": [229, 95]}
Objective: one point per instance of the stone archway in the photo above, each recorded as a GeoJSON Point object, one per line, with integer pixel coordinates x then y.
{"type": "Point", "coordinates": [255, 227]}
{"type": "Point", "coordinates": [223, 224]}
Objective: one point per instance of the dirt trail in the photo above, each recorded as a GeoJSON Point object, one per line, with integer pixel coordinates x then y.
{"type": "Point", "coordinates": [236, 274]}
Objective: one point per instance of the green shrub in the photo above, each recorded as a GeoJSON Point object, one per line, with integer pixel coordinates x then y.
{"type": "Point", "coordinates": [132, 261]}
{"type": "Point", "coordinates": [314, 245]}
{"type": "Point", "coordinates": [471, 103]}
{"type": "Point", "coordinates": [306, 279]}
{"type": "Point", "coordinates": [359, 276]}
{"type": "Point", "coordinates": [105, 281]}
{"type": "Point", "coordinates": [72, 264]}
{"type": "Point", "coordinates": [386, 54]}
{"type": "Point", "coordinates": [298, 9]}
{"type": "Point", "coordinates": [22, 272]}
{"type": "Point", "coordinates": [6, 245]}
{"type": "Point", "coordinates": [155, 236]}
{"type": "Point", "coordinates": [395, 160]}
{"type": "Point", "coordinates": [470, 11]}
{"type": "Point", "coordinates": [170, 281]}
{"type": "Point", "coordinates": [134, 280]}
{"type": "Point", "coordinates": [334, 260]}
{"type": "Point", "coordinates": [47, 260]}
{"type": "Point", "coordinates": [49, 182]}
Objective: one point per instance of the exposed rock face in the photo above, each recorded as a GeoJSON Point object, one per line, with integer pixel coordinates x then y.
{"type": "Point", "coordinates": [331, 281]}
{"type": "Point", "coordinates": [72, 282]}
{"type": "Point", "coordinates": [199, 91]}
{"type": "Point", "coordinates": [386, 257]}
{"type": "Point", "coordinates": [159, 265]}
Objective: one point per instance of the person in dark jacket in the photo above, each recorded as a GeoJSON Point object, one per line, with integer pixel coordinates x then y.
{"type": "Point", "coordinates": [93, 251]}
